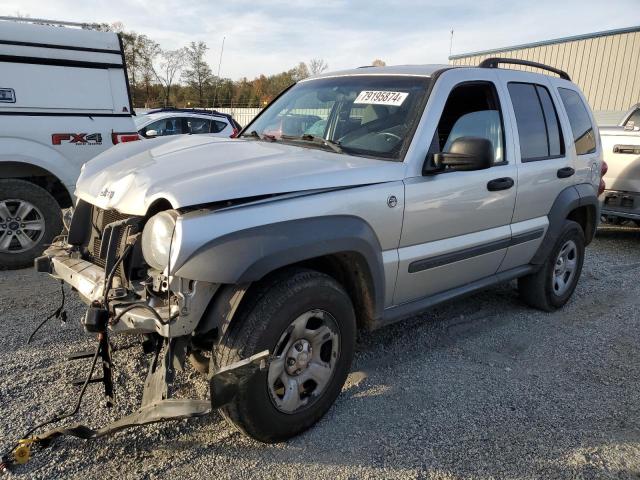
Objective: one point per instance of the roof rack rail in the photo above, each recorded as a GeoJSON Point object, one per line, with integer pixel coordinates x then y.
{"type": "Point", "coordinates": [45, 21]}
{"type": "Point", "coordinates": [187, 110]}
{"type": "Point", "coordinates": [493, 62]}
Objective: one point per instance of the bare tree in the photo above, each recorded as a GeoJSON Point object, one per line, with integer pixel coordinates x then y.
{"type": "Point", "coordinates": [317, 65]}
{"type": "Point", "coordinates": [149, 51]}
{"type": "Point", "coordinates": [171, 62]}
{"type": "Point", "coordinates": [300, 72]}
{"type": "Point", "coordinates": [379, 63]}
{"type": "Point", "coordinates": [198, 75]}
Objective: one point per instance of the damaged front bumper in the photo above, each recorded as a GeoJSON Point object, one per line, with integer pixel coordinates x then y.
{"type": "Point", "coordinates": [191, 298]}
{"type": "Point", "coordinates": [174, 327]}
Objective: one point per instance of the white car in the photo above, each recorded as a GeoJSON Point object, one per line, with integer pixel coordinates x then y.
{"type": "Point", "coordinates": [63, 100]}
{"type": "Point", "coordinates": [174, 121]}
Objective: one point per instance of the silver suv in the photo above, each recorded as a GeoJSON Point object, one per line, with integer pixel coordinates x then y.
{"type": "Point", "coordinates": [356, 199]}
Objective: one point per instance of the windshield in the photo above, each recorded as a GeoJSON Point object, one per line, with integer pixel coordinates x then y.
{"type": "Point", "coordinates": [362, 115]}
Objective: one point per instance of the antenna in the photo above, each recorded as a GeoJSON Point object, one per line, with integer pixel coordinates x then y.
{"type": "Point", "coordinates": [215, 92]}
{"type": "Point", "coordinates": [451, 42]}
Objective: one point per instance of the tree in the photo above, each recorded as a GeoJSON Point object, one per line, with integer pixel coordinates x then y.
{"type": "Point", "coordinates": [148, 51]}
{"type": "Point", "coordinates": [198, 74]}
{"type": "Point", "coordinates": [379, 63]}
{"type": "Point", "coordinates": [171, 62]}
{"type": "Point", "coordinates": [317, 65]}
{"type": "Point", "coordinates": [297, 73]}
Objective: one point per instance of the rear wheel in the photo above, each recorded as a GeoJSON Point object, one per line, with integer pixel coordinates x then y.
{"type": "Point", "coordinates": [551, 287]}
{"type": "Point", "coordinates": [306, 321]}
{"type": "Point", "coordinates": [29, 220]}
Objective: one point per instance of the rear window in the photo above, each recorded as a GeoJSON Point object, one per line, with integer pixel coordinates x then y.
{"type": "Point", "coordinates": [217, 126]}
{"type": "Point", "coordinates": [537, 121]}
{"type": "Point", "coordinates": [581, 127]}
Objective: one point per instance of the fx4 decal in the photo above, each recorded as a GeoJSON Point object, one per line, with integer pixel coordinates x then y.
{"type": "Point", "coordinates": [77, 138]}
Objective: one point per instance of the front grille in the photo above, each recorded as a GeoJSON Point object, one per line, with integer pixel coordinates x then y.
{"type": "Point", "coordinates": [102, 231]}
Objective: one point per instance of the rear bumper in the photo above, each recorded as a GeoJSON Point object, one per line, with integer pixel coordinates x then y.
{"type": "Point", "coordinates": [621, 204]}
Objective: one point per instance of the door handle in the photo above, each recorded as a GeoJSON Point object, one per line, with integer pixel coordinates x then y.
{"type": "Point", "coordinates": [504, 183]}
{"type": "Point", "coordinates": [566, 172]}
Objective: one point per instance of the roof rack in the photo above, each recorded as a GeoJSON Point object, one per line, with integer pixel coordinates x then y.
{"type": "Point", "coordinates": [187, 110]}
{"type": "Point", "coordinates": [45, 21]}
{"type": "Point", "coordinates": [493, 62]}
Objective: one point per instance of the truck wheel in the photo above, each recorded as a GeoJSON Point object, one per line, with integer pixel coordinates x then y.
{"type": "Point", "coordinates": [306, 321]}
{"type": "Point", "coordinates": [551, 287]}
{"type": "Point", "coordinates": [29, 220]}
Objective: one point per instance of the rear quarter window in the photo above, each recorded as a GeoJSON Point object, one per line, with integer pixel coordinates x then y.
{"type": "Point", "coordinates": [581, 127]}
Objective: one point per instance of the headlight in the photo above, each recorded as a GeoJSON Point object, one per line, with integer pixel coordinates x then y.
{"type": "Point", "coordinates": [156, 238]}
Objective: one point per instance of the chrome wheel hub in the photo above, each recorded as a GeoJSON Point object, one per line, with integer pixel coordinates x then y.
{"type": "Point", "coordinates": [298, 357]}
{"type": "Point", "coordinates": [304, 361]}
{"type": "Point", "coordinates": [21, 226]}
{"type": "Point", "coordinates": [565, 267]}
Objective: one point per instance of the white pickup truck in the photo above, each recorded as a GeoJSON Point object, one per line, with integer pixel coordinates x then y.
{"type": "Point", "coordinates": [621, 149]}
{"type": "Point", "coordinates": [63, 100]}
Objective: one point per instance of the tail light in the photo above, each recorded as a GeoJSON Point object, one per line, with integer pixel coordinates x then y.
{"type": "Point", "coordinates": [235, 133]}
{"type": "Point", "coordinates": [119, 137]}
{"type": "Point", "coordinates": [603, 171]}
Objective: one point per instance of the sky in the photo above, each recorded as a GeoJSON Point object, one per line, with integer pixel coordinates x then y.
{"type": "Point", "coordinates": [266, 37]}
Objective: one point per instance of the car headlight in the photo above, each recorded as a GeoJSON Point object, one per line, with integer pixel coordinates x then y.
{"type": "Point", "coordinates": [156, 238]}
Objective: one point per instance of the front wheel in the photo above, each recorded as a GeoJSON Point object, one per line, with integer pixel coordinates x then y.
{"type": "Point", "coordinates": [551, 287]}
{"type": "Point", "coordinates": [306, 320]}
{"type": "Point", "coordinates": [30, 218]}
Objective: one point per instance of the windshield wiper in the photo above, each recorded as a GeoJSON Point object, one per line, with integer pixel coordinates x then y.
{"type": "Point", "coordinates": [265, 136]}
{"type": "Point", "coordinates": [307, 137]}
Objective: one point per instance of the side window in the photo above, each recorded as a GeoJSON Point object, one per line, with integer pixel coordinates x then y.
{"type": "Point", "coordinates": [537, 120]}
{"type": "Point", "coordinates": [633, 120]}
{"type": "Point", "coordinates": [198, 125]}
{"type": "Point", "coordinates": [581, 126]}
{"type": "Point", "coordinates": [166, 126]}
{"type": "Point", "coordinates": [472, 110]}
{"type": "Point", "coordinates": [217, 126]}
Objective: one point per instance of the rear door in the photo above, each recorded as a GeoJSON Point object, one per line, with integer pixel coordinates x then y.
{"type": "Point", "coordinates": [545, 164]}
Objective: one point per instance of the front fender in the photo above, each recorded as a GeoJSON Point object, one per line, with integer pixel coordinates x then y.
{"type": "Point", "coordinates": [248, 255]}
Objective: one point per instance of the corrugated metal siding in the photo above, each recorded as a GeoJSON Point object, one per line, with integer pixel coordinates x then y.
{"type": "Point", "coordinates": [607, 68]}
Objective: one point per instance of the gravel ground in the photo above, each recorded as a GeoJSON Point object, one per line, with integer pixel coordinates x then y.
{"type": "Point", "coordinates": [480, 388]}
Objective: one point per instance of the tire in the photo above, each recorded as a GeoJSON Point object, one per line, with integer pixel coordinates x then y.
{"type": "Point", "coordinates": [542, 289]}
{"type": "Point", "coordinates": [22, 241]}
{"type": "Point", "coordinates": [274, 308]}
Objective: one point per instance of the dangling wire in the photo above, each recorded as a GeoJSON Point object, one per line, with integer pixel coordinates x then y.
{"type": "Point", "coordinates": [59, 313]}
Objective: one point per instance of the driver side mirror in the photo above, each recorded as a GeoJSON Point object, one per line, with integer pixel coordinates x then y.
{"type": "Point", "coordinates": [151, 133]}
{"type": "Point", "coordinates": [465, 154]}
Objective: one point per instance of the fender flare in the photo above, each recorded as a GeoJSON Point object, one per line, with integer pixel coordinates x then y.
{"type": "Point", "coordinates": [248, 255]}
{"type": "Point", "coordinates": [568, 200]}
{"type": "Point", "coordinates": [18, 151]}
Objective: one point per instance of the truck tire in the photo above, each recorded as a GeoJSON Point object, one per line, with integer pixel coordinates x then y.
{"type": "Point", "coordinates": [553, 284]}
{"type": "Point", "coordinates": [30, 218]}
{"type": "Point", "coordinates": [306, 321]}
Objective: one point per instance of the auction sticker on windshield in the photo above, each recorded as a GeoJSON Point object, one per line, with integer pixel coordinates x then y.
{"type": "Point", "coordinates": [381, 97]}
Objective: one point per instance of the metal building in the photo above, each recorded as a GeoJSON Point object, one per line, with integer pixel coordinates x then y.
{"type": "Point", "coordinates": [606, 66]}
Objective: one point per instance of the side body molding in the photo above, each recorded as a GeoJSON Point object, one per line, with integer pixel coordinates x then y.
{"type": "Point", "coordinates": [568, 200]}
{"type": "Point", "coordinates": [248, 255]}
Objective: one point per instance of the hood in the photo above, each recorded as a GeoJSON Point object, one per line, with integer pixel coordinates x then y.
{"type": "Point", "coordinates": [192, 170]}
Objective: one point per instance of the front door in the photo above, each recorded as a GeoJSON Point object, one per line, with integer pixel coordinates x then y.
{"type": "Point", "coordinates": [456, 225]}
